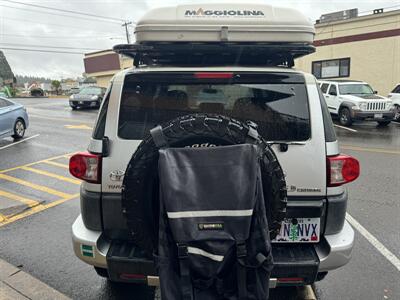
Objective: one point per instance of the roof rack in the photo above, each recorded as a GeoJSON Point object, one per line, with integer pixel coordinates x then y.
{"type": "Point", "coordinates": [218, 53]}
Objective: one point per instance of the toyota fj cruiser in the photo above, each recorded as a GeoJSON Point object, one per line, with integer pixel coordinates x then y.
{"type": "Point", "coordinates": [356, 100]}
{"type": "Point", "coordinates": [212, 76]}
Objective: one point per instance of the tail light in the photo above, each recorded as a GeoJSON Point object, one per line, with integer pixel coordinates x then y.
{"type": "Point", "coordinates": [213, 75]}
{"type": "Point", "coordinates": [86, 166]}
{"type": "Point", "coordinates": [341, 169]}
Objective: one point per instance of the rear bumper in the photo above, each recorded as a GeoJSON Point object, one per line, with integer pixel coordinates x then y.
{"type": "Point", "coordinates": [336, 252]}
{"type": "Point", "coordinates": [333, 252]}
{"type": "Point", "coordinates": [81, 236]}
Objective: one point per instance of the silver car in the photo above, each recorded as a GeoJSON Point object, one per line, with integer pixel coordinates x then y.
{"type": "Point", "coordinates": [13, 119]}
{"type": "Point", "coordinates": [90, 96]}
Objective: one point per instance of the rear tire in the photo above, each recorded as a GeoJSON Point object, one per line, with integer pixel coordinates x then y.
{"type": "Point", "coordinates": [345, 117]}
{"type": "Point", "coordinates": [140, 199]}
{"type": "Point", "coordinates": [101, 272]}
{"type": "Point", "coordinates": [19, 129]}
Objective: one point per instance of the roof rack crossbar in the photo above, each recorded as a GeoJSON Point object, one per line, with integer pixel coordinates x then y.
{"type": "Point", "coordinates": [166, 53]}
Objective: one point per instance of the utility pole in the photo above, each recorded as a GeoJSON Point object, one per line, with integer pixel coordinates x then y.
{"type": "Point", "coordinates": [126, 31]}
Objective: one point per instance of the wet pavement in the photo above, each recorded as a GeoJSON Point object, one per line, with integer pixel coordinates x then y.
{"type": "Point", "coordinates": [40, 240]}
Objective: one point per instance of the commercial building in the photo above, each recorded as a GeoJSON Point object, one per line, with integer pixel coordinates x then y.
{"type": "Point", "coordinates": [102, 65]}
{"type": "Point", "coordinates": [363, 48]}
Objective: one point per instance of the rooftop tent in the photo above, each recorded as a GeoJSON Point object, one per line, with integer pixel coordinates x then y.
{"type": "Point", "coordinates": [188, 34]}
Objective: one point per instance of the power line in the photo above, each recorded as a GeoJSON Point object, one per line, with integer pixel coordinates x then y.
{"type": "Point", "coordinates": [61, 37]}
{"type": "Point", "coordinates": [43, 51]}
{"type": "Point", "coordinates": [65, 10]}
{"type": "Point", "coordinates": [50, 47]}
{"type": "Point", "coordinates": [55, 14]}
{"type": "Point", "coordinates": [39, 23]}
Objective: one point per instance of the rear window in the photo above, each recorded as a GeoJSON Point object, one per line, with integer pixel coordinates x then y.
{"type": "Point", "coordinates": [277, 102]}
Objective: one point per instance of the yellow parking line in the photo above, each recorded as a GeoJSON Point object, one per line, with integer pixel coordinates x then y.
{"type": "Point", "coordinates": [36, 209]}
{"type": "Point", "coordinates": [54, 163]}
{"type": "Point", "coordinates": [34, 186]}
{"type": "Point", "coordinates": [376, 150]}
{"type": "Point", "coordinates": [34, 163]}
{"type": "Point", "coordinates": [49, 174]}
{"type": "Point", "coordinates": [2, 218]}
{"type": "Point", "coordinates": [27, 201]}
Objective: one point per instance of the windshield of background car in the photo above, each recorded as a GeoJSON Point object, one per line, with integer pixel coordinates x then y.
{"type": "Point", "coordinates": [277, 102]}
{"type": "Point", "coordinates": [90, 91]}
{"type": "Point", "coordinates": [355, 89]}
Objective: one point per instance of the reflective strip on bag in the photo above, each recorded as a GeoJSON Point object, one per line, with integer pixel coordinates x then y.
{"type": "Point", "coordinates": [210, 213]}
{"type": "Point", "coordinates": [201, 252]}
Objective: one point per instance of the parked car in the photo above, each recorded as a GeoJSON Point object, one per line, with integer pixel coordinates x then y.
{"type": "Point", "coordinates": [395, 97]}
{"type": "Point", "coordinates": [13, 119]}
{"type": "Point", "coordinates": [117, 229]}
{"type": "Point", "coordinates": [91, 96]}
{"type": "Point", "coordinates": [356, 100]}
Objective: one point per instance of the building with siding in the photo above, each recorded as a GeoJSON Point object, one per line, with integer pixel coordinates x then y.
{"type": "Point", "coordinates": [363, 48]}
{"type": "Point", "coordinates": [102, 65]}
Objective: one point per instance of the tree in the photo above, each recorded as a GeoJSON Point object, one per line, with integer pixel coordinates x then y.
{"type": "Point", "coordinates": [56, 85]}
{"type": "Point", "coordinates": [6, 74]}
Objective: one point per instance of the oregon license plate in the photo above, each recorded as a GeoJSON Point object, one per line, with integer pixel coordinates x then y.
{"type": "Point", "coordinates": [378, 116]}
{"type": "Point", "coordinates": [299, 230]}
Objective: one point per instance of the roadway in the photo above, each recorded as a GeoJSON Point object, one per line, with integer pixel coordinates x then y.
{"type": "Point", "coordinates": [39, 202]}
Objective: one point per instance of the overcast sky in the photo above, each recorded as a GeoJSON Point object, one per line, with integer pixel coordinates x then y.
{"type": "Point", "coordinates": [30, 27]}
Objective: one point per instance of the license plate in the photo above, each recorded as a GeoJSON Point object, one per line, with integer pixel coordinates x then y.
{"type": "Point", "coordinates": [378, 116]}
{"type": "Point", "coordinates": [299, 230]}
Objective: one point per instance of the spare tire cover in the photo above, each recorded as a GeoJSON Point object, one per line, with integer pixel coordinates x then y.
{"type": "Point", "coordinates": [140, 201]}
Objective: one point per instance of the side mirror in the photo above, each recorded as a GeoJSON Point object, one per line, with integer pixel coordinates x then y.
{"type": "Point", "coordinates": [375, 92]}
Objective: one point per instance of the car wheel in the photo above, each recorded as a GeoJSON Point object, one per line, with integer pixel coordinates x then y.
{"type": "Point", "coordinates": [19, 129]}
{"type": "Point", "coordinates": [397, 113]}
{"type": "Point", "coordinates": [345, 117]}
{"type": "Point", "coordinates": [383, 123]}
{"type": "Point", "coordinates": [140, 202]}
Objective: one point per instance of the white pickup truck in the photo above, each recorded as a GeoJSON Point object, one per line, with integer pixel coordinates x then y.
{"type": "Point", "coordinates": [356, 100]}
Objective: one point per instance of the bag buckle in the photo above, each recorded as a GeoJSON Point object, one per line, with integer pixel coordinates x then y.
{"type": "Point", "coordinates": [182, 250]}
{"type": "Point", "coordinates": [241, 250]}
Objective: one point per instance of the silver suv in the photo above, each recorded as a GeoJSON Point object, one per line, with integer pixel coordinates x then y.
{"type": "Point", "coordinates": [118, 226]}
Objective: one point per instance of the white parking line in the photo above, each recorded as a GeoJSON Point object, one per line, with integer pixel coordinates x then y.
{"type": "Point", "coordinates": [374, 242]}
{"type": "Point", "coordinates": [349, 129]}
{"type": "Point", "coordinates": [21, 141]}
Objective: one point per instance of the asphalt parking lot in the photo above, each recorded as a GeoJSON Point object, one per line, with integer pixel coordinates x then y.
{"type": "Point", "coordinates": [39, 202]}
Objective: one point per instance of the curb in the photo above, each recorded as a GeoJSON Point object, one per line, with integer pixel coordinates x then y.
{"type": "Point", "coordinates": [16, 284]}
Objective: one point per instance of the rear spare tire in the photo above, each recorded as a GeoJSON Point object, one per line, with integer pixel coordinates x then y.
{"type": "Point", "coordinates": [140, 202]}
